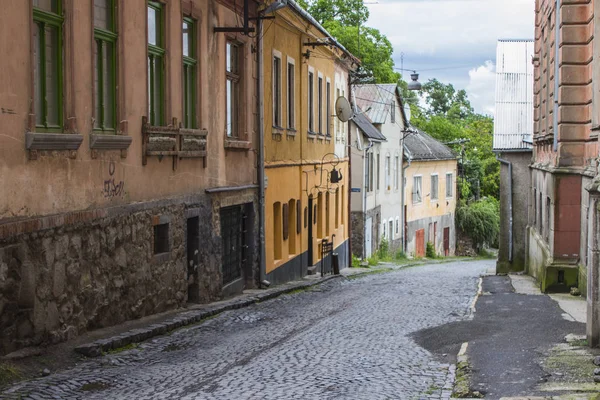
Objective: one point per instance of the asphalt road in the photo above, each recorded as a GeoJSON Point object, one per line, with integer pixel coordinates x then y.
{"type": "Point", "coordinates": [346, 339]}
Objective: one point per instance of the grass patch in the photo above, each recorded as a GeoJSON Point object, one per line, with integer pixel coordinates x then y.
{"type": "Point", "coordinates": [118, 350]}
{"type": "Point", "coordinates": [462, 384]}
{"type": "Point", "coordinates": [94, 387]}
{"type": "Point", "coordinates": [355, 262]}
{"type": "Point", "coordinates": [486, 255]}
{"type": "Point", "coordinates": [9, 374]}
{"type": "Point", "coordinates": [298, 290]}
{"type": "Point", "coordinates": [373, 272]}
{"type": "Point", "coordinates": [579, 343]}
{"type": "Point", "coordinates": [400, 256]}
{"type": "Point", "coordinates": [432, 389]}
{"type": "Point", "coordinates": [373, 261]}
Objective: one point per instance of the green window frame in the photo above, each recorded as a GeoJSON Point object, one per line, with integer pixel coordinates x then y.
{"type": "Point", "coordinates": [105, 70]}
{"type": "Point", "coordinates": [156, 65]}
{"type": "Point", "coordinates": [48, 67]}
{"type": "Point", "coordinates": [190, 66]}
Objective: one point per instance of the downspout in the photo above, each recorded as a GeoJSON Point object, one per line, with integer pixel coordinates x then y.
{"type": "Point", "coordinates": [349, 194]}
{"type": "Point", "coordinates": [556, 68]}
{"type": "Point", "coordinates": [261, 151]}
{"type": "Point", "coordinates": [510, 208]}
{"type": "Point", "coordinates": [402, 175]}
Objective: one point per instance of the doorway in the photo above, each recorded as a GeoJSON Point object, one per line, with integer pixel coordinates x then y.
{"type": "Point", "coordinates": [420, 245]}
{"type": "Point", "coordinates": [368, 237]}
{"type": "Point", "coordinates": [446, 242]}
{"type": "Point", "coordinates": [193, 258]}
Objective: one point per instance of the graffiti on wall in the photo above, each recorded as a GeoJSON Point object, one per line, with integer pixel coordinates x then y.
{"type": "Point", "coordinates": [113, 188]}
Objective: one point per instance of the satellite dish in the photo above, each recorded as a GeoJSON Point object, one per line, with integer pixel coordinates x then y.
{"type": "Point", "coordinates": [343, 110]}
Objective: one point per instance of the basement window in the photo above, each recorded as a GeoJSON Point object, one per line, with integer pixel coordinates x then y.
{"type": "Point", "coordinates": [161, 238]}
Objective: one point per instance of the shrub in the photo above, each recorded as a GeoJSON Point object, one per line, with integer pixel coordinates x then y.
{"type": "Point", "coordinates": [355, 261]}
{"type": "Point", "coordinates": [400, 255]}
{"type": "Point", "coordinates": [384, 250]}
{"type": "Point", "coordinates": [373, 260]}
{"type": "Point", "coordinates": [480, 220]}
{"type": "Point", "coordinates": [430, 251]}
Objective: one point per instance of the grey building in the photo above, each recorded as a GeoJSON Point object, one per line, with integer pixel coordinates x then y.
{"type": "Point", "coordinates": [513, 130]}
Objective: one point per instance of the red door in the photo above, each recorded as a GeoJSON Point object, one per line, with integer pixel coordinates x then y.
{"type": "Point", "coordinates": [420, 236]}
{"type": "Point", "coordinates": [446, 242]}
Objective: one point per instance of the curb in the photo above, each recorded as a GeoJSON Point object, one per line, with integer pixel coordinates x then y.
{"type": "Point", "coordinates": [185, 318]}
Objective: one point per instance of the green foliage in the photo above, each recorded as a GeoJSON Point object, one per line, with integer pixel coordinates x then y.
{"type": "Point", "coordinates": [9, 374]}
{"type": "Point", "coordinates": [355, 262]}
{"type": "Point", "coordinates": [383, 253]}
{"type": "Point", "coordinates": [373, 260]}
{"type": "Point", "coordinates": [480, 220]}
{"type": "Point", "coordinates": [430, 251]}
{"type": "Point", "coordinates": [348, 12]}
{"type": "Point", "coordinates": [399, 256]}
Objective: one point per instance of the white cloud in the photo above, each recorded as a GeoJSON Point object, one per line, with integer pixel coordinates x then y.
{"type": "Point", "coordinates": [447, 39]}
{"type": "Point", "coordinates": [482, 86]}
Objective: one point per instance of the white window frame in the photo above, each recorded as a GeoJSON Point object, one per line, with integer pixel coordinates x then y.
{"type": "Point", "coordinates": [398, 225]}
{"type": "Point", "coordinates": [320, 103]}
{"type": "Point", "coordinates": [383, 228]}
{"type": "Point", "coordinates": [276, 77]}
{"type": "Point", "coordinates": [396, 171]}
{"type": "Point", "coordinates": [437, 189]}
{"type": "Point", "coordinates": [311, 99]}
{"type": "Point", "coordinates": [414, 191]}
{"type": "Point", "coordinates": [451, 186]}
{"type": "Point", "coordinates": [291, 94]}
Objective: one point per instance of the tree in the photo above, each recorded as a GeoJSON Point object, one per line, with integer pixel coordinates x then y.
{"type": "Point", "coordinates": [347, 12]}
{"type": "Point", "coordinates": [443, 99]}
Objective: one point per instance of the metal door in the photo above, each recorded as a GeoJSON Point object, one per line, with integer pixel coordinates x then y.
{"type": "Point", "coordinates": [446, 241]}
{"type": "Point", "coordinates": [368, 237]}
{"type": "Point", "coordinates": [232, 227]}
{"type": "Point", "coordinates": [420, 245]}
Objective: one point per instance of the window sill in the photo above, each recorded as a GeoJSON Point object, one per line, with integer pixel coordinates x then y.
{"type": "Point", "coordinates": [52, 141]}
{"type": "Point", "coordinates": [99, 141]}
{"type": "Point", "coordinates": [311, 136]}
{"type": "Point", "coordinates": [235, 144]}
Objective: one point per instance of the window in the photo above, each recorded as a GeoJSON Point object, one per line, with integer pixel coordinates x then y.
{"type": "Point", "coordinates": [299, 216]}
{"type": "Point", "coordinates": [328, 109]}
{"type": "Point", "coordinates": [548, 219]}
{"type": "Point", "coordinates": [378, 170]}
{"type": "Point", "coordinates": [48, 56]}
{"type": "Point", "coordinates": [434, 187]}
{"type": "Point", "coordinates": [233, 89]}
{"type": "Point", "coordinates": [190, 66]}
{"type": "Point", "coordinates": [449, 185]}
{"type": "Point", "coordinates": [277, 230]}
{"type": "Point", "coordinates": [291, 225]}
{"type": "Point", "coordinates": [383, 227]}
{"type": "Point", "coordinates": [370, 172]}
{"type": "Point", "coordinates": [156, 54]}
{"type": "Point", "coordinates": [417, 189]}
{"type": "Point", "coordinates": [397, 225]}
{"type": "Point", "coordinates": [291, 95]}
{"type": "Point", "coordinates": [277, 91]}
{"type": "Point", "coordinates": [337, 208]}
{"type": "Point", "coordinates": [105, 66]}
{"type": "Point", "coordinates": [311, 101]}
{"type": "Point", "coordinates": [387, 173]}
{"type": "Point", "coordinates": [327, 214]}
{"type": "Point", "coordinates": [396, 172]}
{"type": "Point", "coordinates": [534, 207]}
{"type": "Point", "coordinates": [320, 105]}
{"type": "Point", "coordinates": [286, 222]}
{"type": "Point", "coordinates": [319, 215]}
{"type": "Point", "coordinates": [161, 238]}
{"type": "Point", "coordinates": [391, 229]}
{"type": "Point", "coordinates": [393, 112]}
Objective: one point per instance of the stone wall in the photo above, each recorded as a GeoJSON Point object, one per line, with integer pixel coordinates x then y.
{"type": "Point", "coordinates": [521, 189]}
{"type": "Point", "coordinates": [57, 283]}
{"type": "Point", "coordinates": [358, 233]}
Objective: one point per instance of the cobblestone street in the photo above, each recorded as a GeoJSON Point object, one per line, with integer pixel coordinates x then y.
{"type": "Point", "coordinates": [345, 339]}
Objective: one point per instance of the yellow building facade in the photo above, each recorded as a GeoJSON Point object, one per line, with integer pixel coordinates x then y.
{"type": "Point", "coordinates": [306, 195]}
{"type": "Point", "coordinates": [430, 195]}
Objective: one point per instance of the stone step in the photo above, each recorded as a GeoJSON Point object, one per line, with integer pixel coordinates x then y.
{"type": "Point", "coordinates": [312, 270]}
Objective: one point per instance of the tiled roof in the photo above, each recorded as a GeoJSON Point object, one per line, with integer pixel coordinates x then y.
{"type": "Point", "coordinates": [365, 125]}
{"type": "Point", "coordinates": [377, 100]}
{"type": "Point", "coordinates": [422, 147]}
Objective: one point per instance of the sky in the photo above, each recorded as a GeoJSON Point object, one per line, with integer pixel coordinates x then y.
{"type": "Point", "coordinates": [453, 41]}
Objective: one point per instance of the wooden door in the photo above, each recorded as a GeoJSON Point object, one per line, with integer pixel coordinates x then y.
{"type": "Point", "coordinates": [446, 242]}
{"type": "Point", "coordinates": [420, 237]}
{"type": "Point", "coordinates": [368, 237]}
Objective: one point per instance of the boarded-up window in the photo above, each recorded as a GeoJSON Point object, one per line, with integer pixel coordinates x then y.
{"type": "Point", "coordinates": [286, 224]}
{"type": "Point", "coordinates": [299, 216]}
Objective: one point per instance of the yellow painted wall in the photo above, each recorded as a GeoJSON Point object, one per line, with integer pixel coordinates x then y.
{"type": "Point", "coordinates": [295, 157]}
{"type": "Point", "coordinates": [430, 208]}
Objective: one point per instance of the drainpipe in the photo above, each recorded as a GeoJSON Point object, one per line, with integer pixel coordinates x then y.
{"type": "Point", "coordinates": [402, 198]}
{"type": "Point", "coordinates": [261, 151]}
{"type": "Point", "coordinates": [510, 208]}
{"type": "Point", "coordinates": [556, 68]}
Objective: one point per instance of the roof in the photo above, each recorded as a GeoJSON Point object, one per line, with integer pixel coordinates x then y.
{"type": "Point", "coordinates": [419, 146]}
{"type": "Point", "coordinates": [376, 100]}
{"type": "Point", "coordinates": [304, 14]}
{"type": "Point", "coordinates": [513, 122]}
{"type": "Point", "coordinates": [365, 125]}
